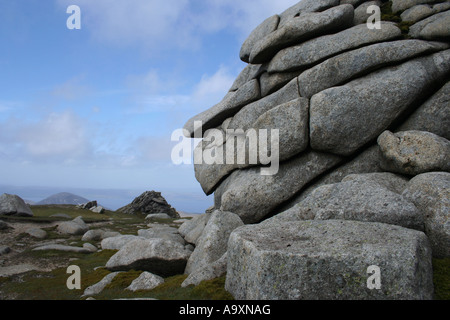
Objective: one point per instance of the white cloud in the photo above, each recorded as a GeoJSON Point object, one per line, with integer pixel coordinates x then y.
{"type": "Point", "coordinates": [57, 135]}
{"type": "Point", "coordinates": [166, 24]}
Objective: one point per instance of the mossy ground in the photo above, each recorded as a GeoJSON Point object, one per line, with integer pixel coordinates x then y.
{"type": "Point", "coordinates": [52, 285]}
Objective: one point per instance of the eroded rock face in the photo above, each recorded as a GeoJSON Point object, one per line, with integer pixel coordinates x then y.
{"type": "Point", "coordinates": [350, 82]}
{"type": "Point", "coordinates": [149, 202]}
{"type": "Point", "coordinates": [13, 205]}
{"type": "Point", "coordinates": [363, 116]}
{"type": "Point", "coordinates": [307, 261]}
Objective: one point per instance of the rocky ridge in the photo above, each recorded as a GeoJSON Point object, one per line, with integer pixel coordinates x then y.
{"type": "Point", "coordinates": [363, 179]}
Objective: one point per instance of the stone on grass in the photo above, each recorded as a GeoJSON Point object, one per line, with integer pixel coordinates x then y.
{"type": "Point", "coordinates": [328, 260]}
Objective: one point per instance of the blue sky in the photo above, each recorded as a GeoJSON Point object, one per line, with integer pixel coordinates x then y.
{"type": "Point", "coordinates": [95, 108]}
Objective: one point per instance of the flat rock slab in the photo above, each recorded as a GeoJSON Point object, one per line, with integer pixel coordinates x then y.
{"type": "Point", "coordinates": [328, 260]}
{"type": "Point", "coordinates": [161, 257]}
{"type": "Point", "coordinates": [300, 29]}
{"type": "Point", "coordinates": [64, 248]}
{"type": "Point", "coordinates": [17, 269]}
{"type": "Point", "coordinates": [344, 119]}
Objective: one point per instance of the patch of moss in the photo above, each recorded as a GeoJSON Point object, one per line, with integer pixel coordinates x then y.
{"type": "Point", "coordinates": [123, 279]}
{"type": "Point", "coordinates": [441, 278]}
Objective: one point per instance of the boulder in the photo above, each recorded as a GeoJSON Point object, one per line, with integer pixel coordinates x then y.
{"type": "Point", "coordinates": [98, 209]}
{"type": "Point", "coordinates": [191, 230]}
{"type": "Point", "coordinates": [361, 15]}
{"type": "Point", "coordinates": [99, 286]}
{"type": "Point", "coordinates": [253, 196]}
{"type": "Point", "coordinates": [228, 107]}
{"type": "Point", "coordinates": [432, 28]}
{"type": "Point", "coordinates": [13, 205]}
{"type": "Point", "coordinates": [344, 119]}
{"type": "Point", "coordinates": [89, 205]}
{"type": "Point", "coordinates": [146, 281]}
{"type": "Point", "coordinates": [149, 202]}
{"type": "Point", "coordinates": [37, 233]}
{"type": "Point", "coordinates": [93, 235]}
{"type": "Point", "coordinates": [339, 69]}
{"type": "Point", "coordinates": [359, 200]}
{"type": "Point", "coordinates": [167, 233]}
{"type": "Point", "coordinates": [212, 271]}
{"type": "Point", "coordinates": [417, 13]}
{"type": "Point", "coordinates": [159, 256]}
{"type": "Point", "coordinates": [212, 244]}
{"type": "Point", "coordinates": [315, 50]}
{"type": "Point", "coordinates": [4, 225]}
{"type": "Point", "coordinates": [328, 260]}
{"type": "Point", "coordinates": [304, 7]}
{"type": "Point", "coordinates": [430, 192]}
{"type": "Point", "coordinates": [116, 243]}
{"type": "Point", "coordinates": [400, 5]}
{"type": "Point", "coordinates": [4, 250]}
{"type": "Point", "coordinates": [414, 152]}
{"type": "Point", "coordinates": [291, 121]}
{"type": "Point", "coordinates": [264, 29]}
{"type": "Point", "coordinates": [75, 227]}
{"type": "Point", "coordinates": [90, 247]}
{"type": "Point", "coordinates": [300, 29]}
{"type": "Point", "coordinates": [432, 116]}
{"type": "Point", "coordinates": [248, 115]}
{"type": "Point", "coordinates": [156, 216]}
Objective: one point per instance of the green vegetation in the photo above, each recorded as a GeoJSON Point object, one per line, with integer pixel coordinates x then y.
{"type": "Point", "coordinates": [441, 278]}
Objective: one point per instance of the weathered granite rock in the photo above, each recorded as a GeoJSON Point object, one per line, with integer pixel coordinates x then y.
{"type": "Point", "coordinates": [248, 115]}
{"type": "Point", "coordinates": [99, 286]}
{"type": "Point", "coordinates": [435, 27]}
{"type": "Point", "coordinates": [348, 65]}
{"type": "Point", "coordinates": [359, 200]}
{"type": "Point", "coordinates": [361, 15]}
{"type": "Point", "coordinates": [414, 152]}
{"type": "Point", "coordinates": [268, 26]}
{"type": "Point", "coordinates": [306, 6]}
{"type": "Point", "coordinates": [250, 72]}
{"type": "Point", "coordinates": [161, 257]}
{"type": "Point", "coordinates": [291, 121]}
{"type": "Point", "coordinates": [116, 243]}
{"type": "Point", "coordinates": [37, 233]}
{"type": "Point", "coordinates": [192, 230]}
{"type": "Point", "coordinates": [391, 181]}
{"type": "Point", "coordinates": [146, 281]}
{"type": "Point", "coordinates": [13, 205]}
{"type": "Point", "coordinates": [156, 216]}
{"type": "Point", "coordinates": [167, 233]}
{"type": "Point", "coordinates": [212, 244]}
{"type": "Point", "coordinates": [400, 5]}
{"type": "Point", "coordinates": [433, 116]}
{"type": "Point", "coordinates": [90, 247]}
{"type": "Point", "coordinates": [149, 202]}
{"type": "Point", "coordinates": [75, 227]}
{"type": "Point", "coordinates": [430, 192]}
{"type": "Point", "coordinates": [300, 29]}
{"type": "Point", "coordinates": [228, 107]}
{"type": "Point", "coordinates": [417, 13]}
{"type": "Point", "coordinates": [345, 118]}
{"type": "Point", "coordinates": [252, 196]}
{"type": "Point", "coordinates": [315, 50]}
{"type": "Point", "coordinates": [322, 260]}
{"type": "Point", "coordinates": [212, 271]}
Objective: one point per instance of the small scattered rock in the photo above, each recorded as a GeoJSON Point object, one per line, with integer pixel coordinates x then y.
{"type": "Point", "coordinates": [146, 281]}
{"type": "Point", "coordinates": [37, 233]}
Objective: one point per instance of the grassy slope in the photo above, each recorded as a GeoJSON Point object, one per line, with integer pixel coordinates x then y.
{"type": "Point", "coordinates": [52, 285]}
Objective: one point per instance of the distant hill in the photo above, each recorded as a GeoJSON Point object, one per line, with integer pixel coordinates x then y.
{"type": "Point", "coordinates": [63, 198]}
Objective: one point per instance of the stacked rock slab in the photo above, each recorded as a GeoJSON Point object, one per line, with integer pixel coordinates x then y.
{"type": "Point", "coordinates": [349, 84]}
{"type": "Point", "coordinates": [360, 113]}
